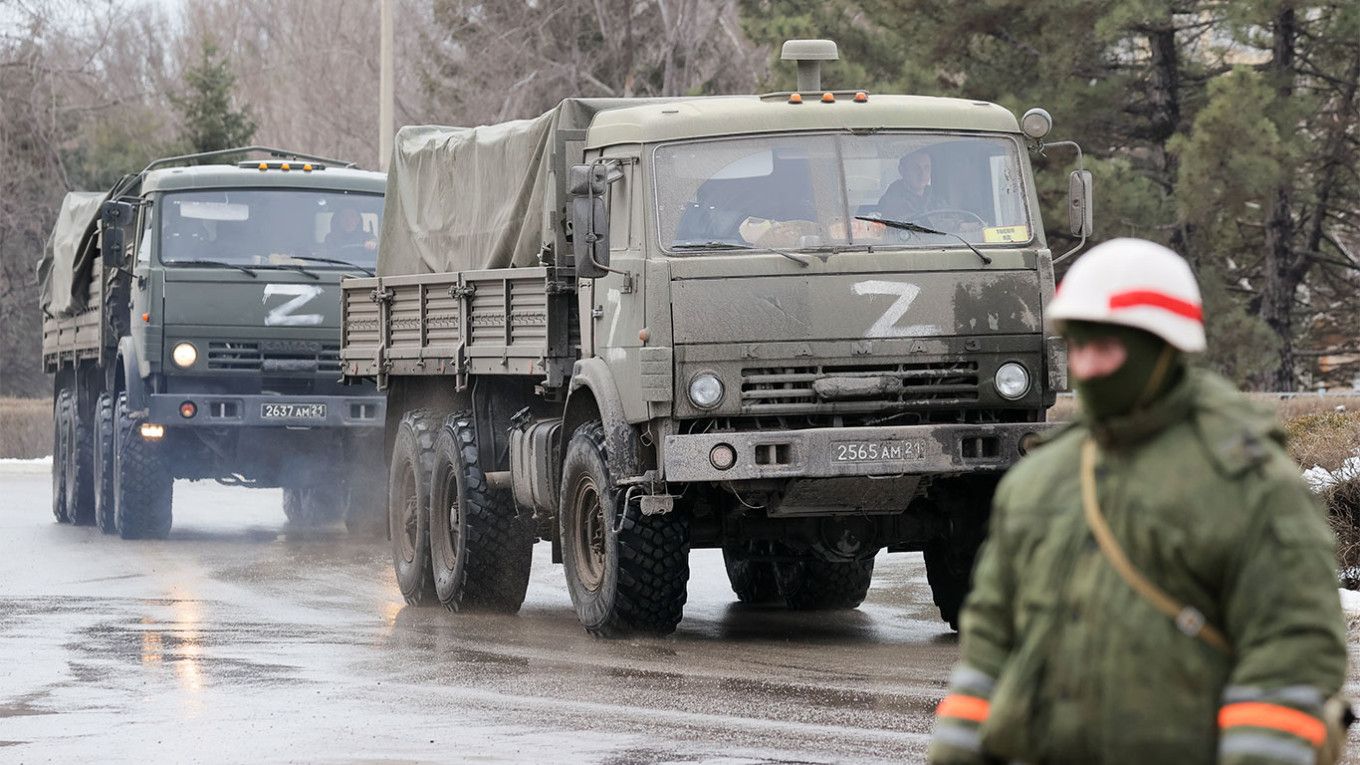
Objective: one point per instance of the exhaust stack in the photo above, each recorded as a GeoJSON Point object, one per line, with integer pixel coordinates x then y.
{"type": "Point", "coordinates": [809, 54]}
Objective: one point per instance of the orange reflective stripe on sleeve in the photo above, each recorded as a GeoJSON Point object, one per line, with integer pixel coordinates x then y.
{"type": "Point", "coordinates": [963, 707]}
{"type": "Point", "coordinates": [1255, 714]}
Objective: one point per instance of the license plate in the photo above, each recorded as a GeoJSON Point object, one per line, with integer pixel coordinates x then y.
{"type": "Point", "coordinates": [877, 451]}
{"type": "Point", "coordinates": [293, 411]}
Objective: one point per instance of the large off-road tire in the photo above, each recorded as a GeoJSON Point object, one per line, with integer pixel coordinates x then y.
{"type": "Point", "coordinates": [103, 464]}
{"type": "Point", "coordinates": [80, 467]}
{"type": "Point", "coordinates": [753, 581]}
{"type": "Point", "coordinates": [61, 447]}
{"type": "Point", "coordinates": [624, 578]}
{"type": "Point", "coordinates": [812, 584]}
{"type": "Point", "coordinates": [142, 484]}
{"type": "Point", "coordinates": [312, 506]}
{"type": "Point", "coordinates": [480, 548]}
{"type": "Point", "coordinates": [948, 571]}
{"type": "Point", "coordinates": [408, 489]}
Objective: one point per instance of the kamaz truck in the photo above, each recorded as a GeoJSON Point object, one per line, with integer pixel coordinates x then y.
{"type": "Point", "coordinates": [802, 327]}
{"type": "Point", "coordinates": [191, 324]}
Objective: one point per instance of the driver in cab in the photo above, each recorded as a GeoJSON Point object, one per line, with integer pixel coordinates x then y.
{"type": "Point", "coordinates": [347, 230]}
{"type": "Point", "coordinates": [908, 196]}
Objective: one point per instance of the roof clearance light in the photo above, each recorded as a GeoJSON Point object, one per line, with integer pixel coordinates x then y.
{"type": "Point", "coordinates": [264, 165]}
{"type": "Point", "coordinates": [795, 98]}
{"type": "Point", "coordinates": [1036, 123]}
{"type": "Point", "coordinates": [306, 168]}
{"type": "Point", "coordinates": [828, 97]}
{"type": "Point", "coordinates": [284, 167]}
{"type": "Point", "coordinates": [861, 97]}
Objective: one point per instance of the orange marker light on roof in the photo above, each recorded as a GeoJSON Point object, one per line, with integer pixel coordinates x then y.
{"type": "Point", "coordinates": [284, 167]}
{"type": "Point", "coordinates": [306, 168]}
{"type": "Point", "coordinates": [861, 97]}
{"type": "Point", "coordinates": [828, 97]}
{"type": "Point", "coordinates": [264, 165]}
{"type": "Point", "coordinates": [795, 98]}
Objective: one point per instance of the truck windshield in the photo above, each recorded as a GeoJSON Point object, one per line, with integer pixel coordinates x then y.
{"type": "Point", "coordinates": [793, 192]}
{"type": "Point", "coordinates": [271, 227]}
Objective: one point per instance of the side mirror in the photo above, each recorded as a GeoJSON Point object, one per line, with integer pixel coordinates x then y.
{"type": "Point", "coordinates": [1079, 193]}
{"type": "Point", "coordinates": [114, 219]}
{"type": "Point", "coordinates": [586, 185]}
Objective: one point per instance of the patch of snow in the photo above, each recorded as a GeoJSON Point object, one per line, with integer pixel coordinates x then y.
{"type": "Point", "coordinates": [1350, 602]}
{"type": "Point", "coordinates": [1319, 478]}
{"type": "Point", "coordinates": [17, 465]}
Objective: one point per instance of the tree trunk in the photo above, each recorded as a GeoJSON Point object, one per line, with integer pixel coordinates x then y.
{"type": "Point", "coordinates": [1282, 276]}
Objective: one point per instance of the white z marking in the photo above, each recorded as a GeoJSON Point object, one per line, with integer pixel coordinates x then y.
{"type": "Point", "coordinates": [283, 316]}
{"type": "Point", "coordinates": [886, 326]}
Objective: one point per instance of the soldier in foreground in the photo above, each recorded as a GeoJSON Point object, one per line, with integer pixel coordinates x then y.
{"type": "Point", "coordinates": [1158, 583]}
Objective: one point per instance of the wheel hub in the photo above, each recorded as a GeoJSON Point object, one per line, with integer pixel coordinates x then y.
{"type": "Point", "coordinates": [591, 536]}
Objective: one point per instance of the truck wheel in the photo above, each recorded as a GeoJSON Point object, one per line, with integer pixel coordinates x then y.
{"type": "Point", "coordinates": [61, 435]}
{"type": "Point", "coordinates": [480, 548]}
{"type": "Point", "coordinates": [79, 467]}
{"type": "Point", "coordinates": [142, 486]}
{"type": "Point", "coordinates": [103, 464]}
{"type": "Point", "coordinates": [752, 580]}
{"type": "Point", "coordinates": [408, 505]}
{"type": "Point", "coordinates": [622, 581]}
{"type": "Point", "coordinates": [311, 506]}
{"type": "Point", "coordinates": [813, 584]}
{"type": "Point", "coordinates": [948, 570]}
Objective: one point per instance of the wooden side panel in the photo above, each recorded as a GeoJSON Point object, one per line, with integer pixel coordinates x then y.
{"type": "Point", "coordinates": [360, 328]}
{"type": "Point", "coordinates": [71, 338]}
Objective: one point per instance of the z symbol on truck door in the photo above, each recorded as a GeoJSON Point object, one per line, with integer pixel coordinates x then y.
{"type": "Point", "coordinates": [886, 326]}
{"type": "Point", "coordinates": [285, 315]}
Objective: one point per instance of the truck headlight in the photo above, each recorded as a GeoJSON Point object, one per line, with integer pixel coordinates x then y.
{"type": "Point", "coordinates": [1012, 380]}
{"type": "Point", "coordinates": [705, 390]}
{"type": "Point", "coordinates": [184, 355]}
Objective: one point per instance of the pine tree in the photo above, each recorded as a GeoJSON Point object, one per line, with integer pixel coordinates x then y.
{"type": "Point", "coordinates": [210, 121]}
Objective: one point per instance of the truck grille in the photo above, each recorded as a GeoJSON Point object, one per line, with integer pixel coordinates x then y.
{"type": "Point", "coordinates": [789, 390]}
{"type": "Point", "coordinates": [274, 356]}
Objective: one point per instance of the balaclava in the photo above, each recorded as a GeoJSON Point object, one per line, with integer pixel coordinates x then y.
{"type": "Point", "coordinates": [1150, 369]}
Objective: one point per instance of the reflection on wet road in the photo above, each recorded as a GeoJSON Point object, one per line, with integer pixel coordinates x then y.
{"type": "Point", "coordinates": [238, 639]}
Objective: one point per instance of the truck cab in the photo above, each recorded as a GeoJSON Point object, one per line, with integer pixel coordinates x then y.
{"type": "Point", "coordinates": [219, 351]}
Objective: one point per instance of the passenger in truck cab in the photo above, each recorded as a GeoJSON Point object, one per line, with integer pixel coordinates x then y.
{"type": "Point", "coordinates": [347, 230]}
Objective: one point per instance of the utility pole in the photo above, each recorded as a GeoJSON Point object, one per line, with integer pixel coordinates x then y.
{"type": "Point", "coordinates": [385, 88]}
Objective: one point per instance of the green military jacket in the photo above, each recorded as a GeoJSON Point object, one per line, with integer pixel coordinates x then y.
{"type": "Point", "coordinates": [1062, 662]}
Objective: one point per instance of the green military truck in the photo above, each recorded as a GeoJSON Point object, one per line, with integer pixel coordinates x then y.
{"type": "Point", "coordinates": [640, 327]}
{"type": "Point", "coordinates": [191, 324]}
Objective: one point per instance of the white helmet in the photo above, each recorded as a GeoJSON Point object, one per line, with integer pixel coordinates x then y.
{"type": "Point", "coordinates": [1133, 283]}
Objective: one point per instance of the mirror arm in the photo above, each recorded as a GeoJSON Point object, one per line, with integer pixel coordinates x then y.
{"type": "Point", "coordinates": [1081, 167]}
{"type": "Point", "coordinates": [610, 177]}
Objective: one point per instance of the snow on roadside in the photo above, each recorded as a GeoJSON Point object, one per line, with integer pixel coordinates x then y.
{"type": "Point", "coordinates": [1319, 478]}
{"type": "Point", "coordinates": [16, 465]}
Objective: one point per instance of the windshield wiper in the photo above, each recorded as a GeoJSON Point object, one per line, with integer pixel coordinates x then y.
{"type": "Point", "coordinates": [919, 229]}
{"type": "Point", "coordinates": [291, 267]}
{"type": "Point", "coordinates": [333, 261]}
{"type": "Point", "coordinates": [736, 246]}
{"type": "Point", "coordinates": [217, 263]}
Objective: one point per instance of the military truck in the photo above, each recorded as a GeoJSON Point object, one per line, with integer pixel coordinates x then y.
{"type": "Point", "coordinates": [640, 327]}
{"type": "Point", "coordinates": [191, 325]}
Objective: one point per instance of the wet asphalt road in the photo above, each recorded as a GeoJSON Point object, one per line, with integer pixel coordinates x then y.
{"type": "Point", "coordinates": [240, 640]}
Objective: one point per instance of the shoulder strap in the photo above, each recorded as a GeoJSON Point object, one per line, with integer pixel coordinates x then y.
{"type": "Point", "coordinates": [1187, 618]}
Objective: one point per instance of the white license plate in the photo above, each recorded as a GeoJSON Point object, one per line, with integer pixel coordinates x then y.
{"type": "Point", "coordinates": [877, 451]}
{"type": "Point", "coordinates": [293, 411]}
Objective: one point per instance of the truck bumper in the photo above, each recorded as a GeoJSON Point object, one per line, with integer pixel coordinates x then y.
{"type": "Point", "coordinates": [230, 410]}
{"type": "Point", "coordinates": [914, 450]}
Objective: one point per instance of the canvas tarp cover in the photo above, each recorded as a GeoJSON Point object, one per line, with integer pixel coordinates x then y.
{"type": "Point", "coordinates": [64, 271]}
{"type": "Point", "coordinates": [463, 199]}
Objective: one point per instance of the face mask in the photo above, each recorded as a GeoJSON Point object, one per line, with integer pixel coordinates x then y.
{"type": "Point", "coordinates": [1149, 368]}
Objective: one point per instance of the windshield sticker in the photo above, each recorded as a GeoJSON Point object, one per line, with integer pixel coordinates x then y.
{"type": "Point", "coordinates": [1005, 234]}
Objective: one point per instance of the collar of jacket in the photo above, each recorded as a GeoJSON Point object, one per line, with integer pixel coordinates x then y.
{"type": "Point", "coordinates": [1142, 424]}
